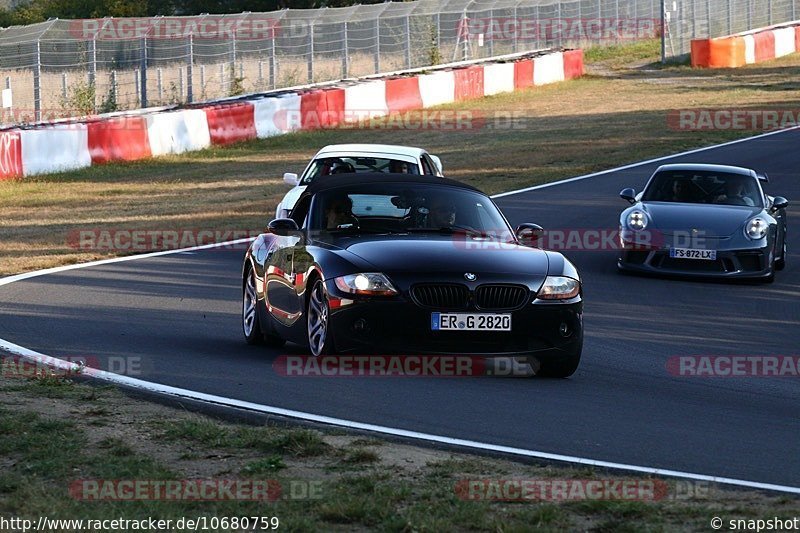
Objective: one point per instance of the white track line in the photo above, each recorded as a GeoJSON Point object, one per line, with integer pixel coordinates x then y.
{"type": "Point", "coordinates": [641, 163]}
{"type": "Point", "coordinates": [175, 392]}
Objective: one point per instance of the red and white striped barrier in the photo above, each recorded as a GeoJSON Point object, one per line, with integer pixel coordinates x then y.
{"type": "Point", "coordinates": [10, 155]}
{"type": "Point", "coordinates": [747, 48]}
{"type": "Point", "coordinates": [55, 149]}
{"type": "Point", "coordinates": [176, 132]}
{"type": "Point", "coordinates": [498, 78]}
{"type": "Point", "coordinates": [275, 115]}
{"type": "Point", "coordinates": [70, 146]}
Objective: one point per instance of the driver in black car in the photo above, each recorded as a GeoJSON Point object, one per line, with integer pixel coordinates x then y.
{"type": "Point", "coordinates": [443, 214]}
{"type": "Point", "coordinates": [339, 212]}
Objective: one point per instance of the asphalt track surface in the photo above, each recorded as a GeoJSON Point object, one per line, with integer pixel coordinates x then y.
{"type": "Point", "coordinates": [180, 314]}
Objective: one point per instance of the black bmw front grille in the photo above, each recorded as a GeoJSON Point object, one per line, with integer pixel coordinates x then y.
{"type": "Point", "coordinates": [441, 296]}
{"type": "Point", "coordinates": [499, 297]}
{"type": "Point", "coordinates": [455, 296]}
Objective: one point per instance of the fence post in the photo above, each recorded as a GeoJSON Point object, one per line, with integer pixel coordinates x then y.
{"type": "Point", "coordinates": [769, 13]}
{"type": "Point", "coordinates": [515, 40]}
{"type": "Point", "coordinates": [202, 81]}
{"type": "Point", "coordinates": [346, 56]}
{"type": "Point", "coordinates": [190, 71]}
{"type": "Point", "coordinates": [143, 73]}
{"type": "Point", "coordinates": [439, 33]}
{"type": "Point", "coordinates": [663, 32]}
{"type": "Point", "coordinates": [37, 82]}
{"type": "Point", "coordinates": [311, 54]}
{"type": "Point", "coordinates": [114, 89]}
{"type": "Point", "coordinates": [159, 84]}
{"type": "Point", "coordinates": [273, 64]}
{"type": "Point", "coordinates": [233, 59]}
{"type": "Point", "coordinates": [93, 70]}
{"type": "Point", "coordinates": [377, 45]}
{"type": "Point", "coordinates": [558, 19]}
{"type": "Point", "coordinates": [64, 92]}
{"type": "Point", "coordinates": [489, 32]}
{"type": "Point", "coordinates": [137, 81]}
{"type": "Point", "coordinates": [408, 41]}
{"type": "Point", "coordinates": [730, 17]}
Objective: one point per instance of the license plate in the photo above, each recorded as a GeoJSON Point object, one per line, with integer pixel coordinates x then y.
{"type": "Point", "coordinates": [470, 322]}
{"type": "Point", "coordinates": [692, 253]}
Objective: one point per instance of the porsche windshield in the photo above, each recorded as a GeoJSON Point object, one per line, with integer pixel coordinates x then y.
{"type": "Point", "coordinates": [703, 187]}
{"type": "Point", "coordinates": [406, 208]}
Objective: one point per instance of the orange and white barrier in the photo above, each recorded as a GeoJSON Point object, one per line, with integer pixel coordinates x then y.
{"type": "Point", "coordinates": [748, 47]}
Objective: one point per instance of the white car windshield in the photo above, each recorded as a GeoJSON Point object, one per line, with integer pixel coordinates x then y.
{"type": "Point", "coordinates": [325, 166]}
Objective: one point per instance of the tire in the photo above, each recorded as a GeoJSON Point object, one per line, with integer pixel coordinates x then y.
{"type": "Point", "coordinates": [251, 325]}
{"type": "Point", "coordinates": [320, 340]}
{"type": "Point", "coordinates": [559, 368]}
{"type": "Point", "coordinates": [780, 264]}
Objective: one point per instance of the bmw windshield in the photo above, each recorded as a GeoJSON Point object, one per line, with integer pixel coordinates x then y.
{"type": "Point", "coordinates": [408, 208]}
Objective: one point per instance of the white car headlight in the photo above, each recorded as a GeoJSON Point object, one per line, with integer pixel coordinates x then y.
{"type": "Point", "coordinates": [559, 288]}
{"type": "Point", "coordinates": [756, 228]}
{"type": "Point", "coordinates": [637, 220]}
{"type": "Point", "coordinates": [368, 284]}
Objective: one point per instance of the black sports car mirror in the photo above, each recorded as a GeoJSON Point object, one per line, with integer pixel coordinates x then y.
{"type": "Point", "coordinates": [529, 234]}
{"type": "Point", "coordinates": [779, 202]}
{"type": "Point", "coordinates": [282, 226]}
{"type": "Point", "coordinates": [628, 194]}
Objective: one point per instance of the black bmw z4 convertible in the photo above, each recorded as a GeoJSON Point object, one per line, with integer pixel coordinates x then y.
{"type": "Point", "coordinates": [401, 264]}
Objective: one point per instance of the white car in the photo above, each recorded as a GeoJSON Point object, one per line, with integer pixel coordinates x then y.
{"type": "Point", "coordinates": [349, 158]}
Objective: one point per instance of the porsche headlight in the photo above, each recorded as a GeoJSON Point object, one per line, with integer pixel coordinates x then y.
{"type": "Point", "coordinates": [559, 288]}
{"type": "Point", "coordinates": [756, 228]}
{"type": "Point", "coordinates": [637, 220]}
{"type": "Point", "coordinates": [368, 284]}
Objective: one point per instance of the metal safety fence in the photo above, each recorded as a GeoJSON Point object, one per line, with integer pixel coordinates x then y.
{"type": "Point", "coordinates": [63, 68]}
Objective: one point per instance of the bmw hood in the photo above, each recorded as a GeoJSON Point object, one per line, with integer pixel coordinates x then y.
{"type": "Point", "coordinates": [711, 220]}
{"type": "Point", "coordinates": [441, 254]}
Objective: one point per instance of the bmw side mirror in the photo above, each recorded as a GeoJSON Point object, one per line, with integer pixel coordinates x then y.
{"type": "Point", "coordinates": [282, 227]}
{"type": "Point", "coordinates": [628, 194]}
{"type": "Point", "coordinates": [529, 234]}
{"type": "Point", "coordinates": [779, 202]}
{"type": "Point", "coordinates": [290, 178]}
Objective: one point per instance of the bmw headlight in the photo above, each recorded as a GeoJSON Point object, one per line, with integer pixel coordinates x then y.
{"type": "Point", "coordinates": [637, 220]}
{"type": "Point", "coordinates": [559, 288]}
{"type": "Point", "coordinates": [368, 284]}
{"type": "Point", "coordinates": [756, 228]}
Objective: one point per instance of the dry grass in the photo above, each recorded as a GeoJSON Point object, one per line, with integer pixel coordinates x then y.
{"type": "Point", "coordinates": [613, 116]}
